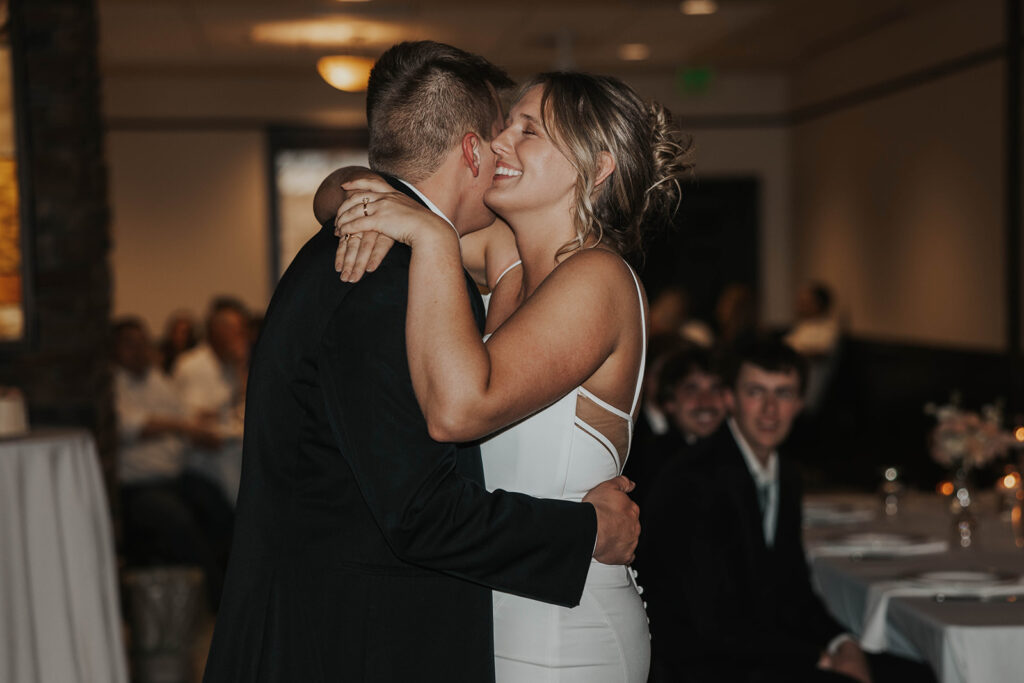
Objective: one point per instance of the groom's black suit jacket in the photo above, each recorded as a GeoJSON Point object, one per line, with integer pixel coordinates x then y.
{"type": "Point", "coordinates": [364, 550]}
{"type": "Point", "coordinates": [723, 605]}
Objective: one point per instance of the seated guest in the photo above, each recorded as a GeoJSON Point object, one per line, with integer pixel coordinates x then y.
{"type": "Point", "coordinates": [692, 398]}
{"type": "Point", "coordinates": [692, 394]}
{"type": "Point", "coordinates": [211, 381]}
{"type": "Point", "coordinates": [729, 590]}
{"type": "Point", "coordinates": [169, 516]}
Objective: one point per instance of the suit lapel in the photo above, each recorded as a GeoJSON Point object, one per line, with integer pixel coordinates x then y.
{"type": "Point", "coordinates": [743, 490]}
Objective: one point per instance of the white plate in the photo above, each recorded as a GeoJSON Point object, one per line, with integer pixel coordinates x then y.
{"type": "Point", "coordinates": [879, 541]}
{"type": "Point", "coordinates": [963, 578]}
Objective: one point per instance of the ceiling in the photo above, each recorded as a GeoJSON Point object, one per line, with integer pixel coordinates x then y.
{"type": "Point", "coordinates": [524, 36]}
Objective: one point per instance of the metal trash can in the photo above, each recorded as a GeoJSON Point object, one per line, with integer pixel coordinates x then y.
{"type": "Point", "coordinates": [163, 607]}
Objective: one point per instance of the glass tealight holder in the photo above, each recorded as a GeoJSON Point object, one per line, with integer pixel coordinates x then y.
{"type": "Point", "coordinates": [891, 491]}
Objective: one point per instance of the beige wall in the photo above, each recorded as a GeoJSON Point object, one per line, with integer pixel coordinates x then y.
{"type": "Point", "coordinates": [898, 200]}
{"type": "Point", "coordinates": [189, 221]}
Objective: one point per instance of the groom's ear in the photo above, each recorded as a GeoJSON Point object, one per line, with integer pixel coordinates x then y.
{"type": "Point", "coordinates": [471, 152]}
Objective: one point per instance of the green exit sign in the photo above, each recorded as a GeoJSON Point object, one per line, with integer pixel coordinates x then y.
{"type": "Point", "coordinates": [694, 80]}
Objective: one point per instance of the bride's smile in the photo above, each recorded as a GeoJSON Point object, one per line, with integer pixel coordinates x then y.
{"type": "Point", "coordinates": [531, 173]}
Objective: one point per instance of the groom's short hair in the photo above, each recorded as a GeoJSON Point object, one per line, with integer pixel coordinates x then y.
{"type": "Point", "coordinates": [422, 98]}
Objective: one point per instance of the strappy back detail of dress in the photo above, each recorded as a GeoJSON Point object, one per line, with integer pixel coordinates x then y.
{"type": "Point", "coordinates": [601, 420]}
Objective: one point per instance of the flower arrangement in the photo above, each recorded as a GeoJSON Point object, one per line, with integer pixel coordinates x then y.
{"type": "Point", "coordinates": [967, 440]}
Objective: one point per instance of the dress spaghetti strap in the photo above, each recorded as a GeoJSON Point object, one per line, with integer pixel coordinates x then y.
{"type": "Point", "coordinates": [643, 333]}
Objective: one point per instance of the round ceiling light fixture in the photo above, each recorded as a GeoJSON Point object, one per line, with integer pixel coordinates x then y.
{"type": "Point", "coordinates": [345, 72]}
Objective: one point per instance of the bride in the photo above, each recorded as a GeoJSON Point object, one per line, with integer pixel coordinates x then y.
{"type": "Point", "coordinates": [583, 169]}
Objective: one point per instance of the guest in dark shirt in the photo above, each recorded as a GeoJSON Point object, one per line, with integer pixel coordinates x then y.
{"type": "Point", "coordinates": [729, 590]}
{"type": "Point", "coordinates": [180, 335]}
{"type": "Point", "coordinates": [736, 316]}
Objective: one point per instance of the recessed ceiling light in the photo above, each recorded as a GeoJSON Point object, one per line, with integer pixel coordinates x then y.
{"type": "Point", "coordinates": [634, 52]}
{"type": "Point", "coordinates": [698, 7]}
{"type": "Point", "coordinates": [345, 72]}
{"type": "Point", "coordinates": [325, 32]}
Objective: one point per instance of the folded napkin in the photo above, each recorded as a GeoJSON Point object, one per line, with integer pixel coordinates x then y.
{"type": "Point", "coordinates": [873, 638]}
{"type": "Point", "coordinates": [841, 549]}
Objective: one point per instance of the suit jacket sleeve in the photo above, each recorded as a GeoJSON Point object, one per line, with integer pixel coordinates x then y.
{"type": "Point", "coordinates": [430, 515]}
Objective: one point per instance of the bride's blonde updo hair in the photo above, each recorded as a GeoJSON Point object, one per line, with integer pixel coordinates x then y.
{"type": "Point", "coordinates": [585, 115]}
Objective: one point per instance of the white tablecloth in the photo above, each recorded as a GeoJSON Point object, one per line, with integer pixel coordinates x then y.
{"type": "Point", "coordinates": [59, 615]}
{"type": "Point", "coordinates": [964, 640]}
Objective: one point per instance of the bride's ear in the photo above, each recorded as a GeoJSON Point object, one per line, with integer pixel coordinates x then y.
{"type": "Point", "coordinates": [471, 152]}
{"type": "Point", "coordinates": [605, 166]}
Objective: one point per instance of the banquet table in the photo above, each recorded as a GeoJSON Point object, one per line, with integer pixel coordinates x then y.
{"type": "Point", "coordinates": [967, 633]}
{"type": "Point", "coordinates": [59, 614]}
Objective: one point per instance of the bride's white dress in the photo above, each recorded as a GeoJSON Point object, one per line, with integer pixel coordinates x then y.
{"type": "Point", "coordinates": [562, 452]}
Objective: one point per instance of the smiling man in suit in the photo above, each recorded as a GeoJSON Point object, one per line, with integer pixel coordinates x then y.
{"type": "Point", "coordinates": [730, 596]}
{"type": "Point", "coordinates": [364, 550]}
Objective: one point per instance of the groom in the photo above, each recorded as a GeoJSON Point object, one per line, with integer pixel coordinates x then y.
{"type": "Point", "coordinates": [364, 550]}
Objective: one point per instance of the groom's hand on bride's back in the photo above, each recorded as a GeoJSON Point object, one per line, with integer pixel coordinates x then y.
{"type": "Point", "coordinates": [618, 521]}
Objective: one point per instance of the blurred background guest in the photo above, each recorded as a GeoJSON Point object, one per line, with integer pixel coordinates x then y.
{"type": "Point", "coordinates": [736, 316]}
{"type": "Point", "coordinates": [815, 335]}
{"type": "Point", "coordinates": [816, 330]}
{"type": "Point", "coordinates": [180, 335]}
{"type": "Point", "coordinates": [170, 516]}
{"type": "Point", "coordinates": [211, 381]}
{"type": "Point", "coordinates": [670, 313]}
{"type": "Point", "coordinates": [730, 596]}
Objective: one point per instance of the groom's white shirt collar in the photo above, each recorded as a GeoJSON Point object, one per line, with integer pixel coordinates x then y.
{"type": "Point", "coordinates": [430, 204]}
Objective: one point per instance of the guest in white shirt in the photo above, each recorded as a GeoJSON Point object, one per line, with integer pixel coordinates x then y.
{"type": "Point", "coordinates": [169, 516]}
{"type": "Point", "coordinates": [815, 336]}
{"type": "Point", "coordinates": [729, 590]}
{"type": "Point", "coordinates": [211, 381]}
{"type": "Point", "coordinates": [816, 331]}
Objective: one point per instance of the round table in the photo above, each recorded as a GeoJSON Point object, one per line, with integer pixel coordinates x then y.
{"type": "Point", "coordinates": [60, 620]}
